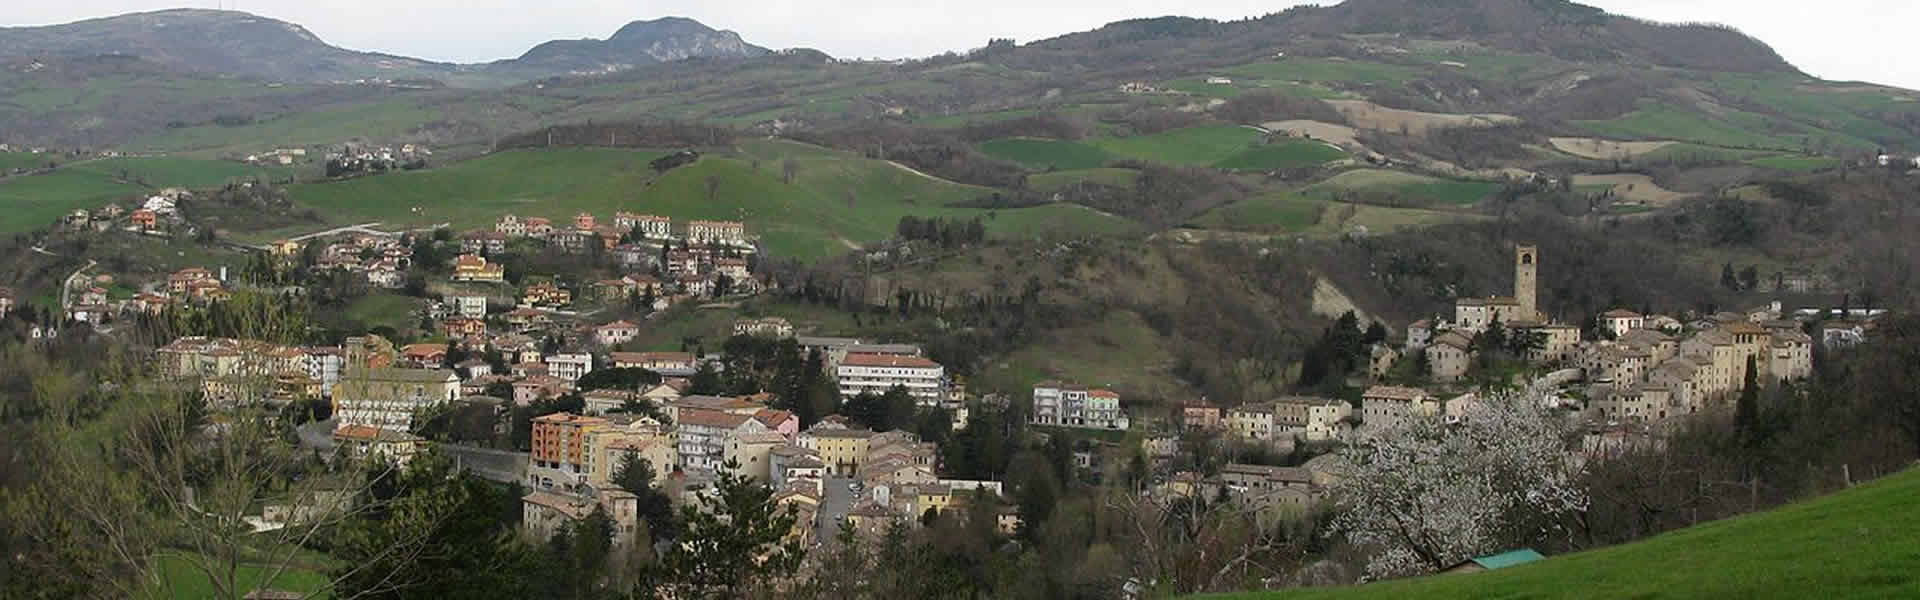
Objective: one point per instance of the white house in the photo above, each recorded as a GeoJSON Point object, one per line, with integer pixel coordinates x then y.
{"type": "Point", "coordinates": [1621, 321]}
{"type": "Point", "coordinates": [472, 307]}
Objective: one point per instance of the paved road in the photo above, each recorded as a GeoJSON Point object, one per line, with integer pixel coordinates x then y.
{"type": "Point", "coordinates": [66, 287]}
{"type": "Point", "coordinates": [367, 228]}
{"type": "Point", "coordinates": [833, 509]}
{"type": "Point", "coordinates": [494, 465]}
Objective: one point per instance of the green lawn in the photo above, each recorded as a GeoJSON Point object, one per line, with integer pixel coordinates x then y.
{"type": "Point", "coordinates": [1279, 211]}
{"type": "Point", "coordinates": [1045, 154]}
{"type": "Point", "coordinates": [1047, 182]}
{"type": "Point", "coordinates": [1421, 189]}
{"type": "Point", "coordinates": [1858, 543]}
{"type": "Point", "coordinates": [181, 172]}
{"type": "Point", "coordinates": [1200, 146]}
{"type": "Point", "coordinates": [178, 578]}
{"type": "Point", "coordinates": [1701, 153]}
{"type": "Point", "coordinates": [1285, 155]}
{"type": "Point", "coordinates": [382, 120]}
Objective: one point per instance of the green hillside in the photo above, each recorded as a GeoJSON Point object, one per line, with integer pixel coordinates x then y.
{"type": "Point", "coordinates": [1044, 154]}
{"type": "Point", "coordinates": [1859, 543]}
{"type": "Point", "coordinates": [1193, 146]}
{"type": "Point", "coordinates": [837, 200]}
{"type": "Point", "coordinates": [1274, 211]}
{"type": "Point", "coordinates": [1047, 182]}
{"type": "Point", "coordinates": [1421, 189]}
{"type": "Point", "coordinates": [1286, 155]}
{"type": "Point", "coordinates": [22, 160]}
{"type": "Point", "coordinates": [34, 201]}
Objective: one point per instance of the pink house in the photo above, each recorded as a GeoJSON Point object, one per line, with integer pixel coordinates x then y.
{"type": "Point", "coordinates": [779, 421]}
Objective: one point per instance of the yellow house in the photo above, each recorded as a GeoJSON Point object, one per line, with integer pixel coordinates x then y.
{"type": "Point", "coordinates": [938, 498]}
{"type": "Point", "coordinates": [843, 450]}
{"type": "Point", "coordinates": [283, 248]}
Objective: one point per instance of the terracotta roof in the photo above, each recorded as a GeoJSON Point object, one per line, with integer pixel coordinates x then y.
{"type": "Point", "coordinates": [887, 360]}
{"type": "Point", "coordinates": [568, 419]}
{"type": "Point", "coordinates": [772, 417]}
{"type": "Point", "coordinates": [711, 418]}
{"type": "Point", "coordinates": [1104, 394]}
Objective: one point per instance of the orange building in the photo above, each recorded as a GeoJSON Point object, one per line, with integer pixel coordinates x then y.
{"type": "Point", "coordinates": [560, 451]}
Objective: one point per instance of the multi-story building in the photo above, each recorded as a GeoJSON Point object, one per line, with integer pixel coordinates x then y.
{"type": "Point", "coordinates": [545, 513]}
{"type": "Point", "coordinates": [671, 364]}
{"type": "Point", "coordinates": [729, 233]}
{"type": "Point", "coordinates": [1200, 415]}
{"type": "Point", "coordinates": [546, 293]}
{"type": "Point", "coordinates": [648, 226]}
{"type": "Point", "coordinates": [569, 366]}
{"type": "Point", "coordinates": [751, 454]}
{"type": "Point", "coordinates": [1621, 321]}
{"type": "Point", "coordinates": [923, 379]}
{"type": "Point", "coordinates": [704, 435]}
{"type": "Point", "coordinates": [472, 307]}
{"type": "Point", "coordinates": [362, 441]}
{"type": "Point", "coordinates": [841, 448]}
{"type": "Point", "coordinates": [617, 332]}
{"type": "Point", "coordinates": [1383, 407]}
{"type": "Point", "coordinates": [512, 226]}
{"type": "Point", "coordinates": [1253, 422]}
{"type": "Point", "coordinates": [561, 455]}
{"type": "Point", "coordinates": [389, 398]}
{"type": "Point", "coordinates": [774, 327]}
{"type": "Point", "coordinates": [474, 268]}
{"type": "Point", "coordinates": [1314, 419]}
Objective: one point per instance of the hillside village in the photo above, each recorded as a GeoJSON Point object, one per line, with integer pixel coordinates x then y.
{"type": "Point", "coordinates": [1175, 306]}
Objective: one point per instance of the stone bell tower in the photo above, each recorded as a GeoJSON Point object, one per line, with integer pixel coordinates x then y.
{"type": "Point", "coordinates": [1526, 268]}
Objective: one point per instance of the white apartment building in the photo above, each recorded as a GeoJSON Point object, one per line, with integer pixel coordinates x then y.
{"type": "Point", "coordinates": [703, 436]}
{"type": "Point", "coordinates": [570, 366]}
{"type": "Point", "coordinates": [472, 307]}
{"type": "Point", "coordinates": [1060, 405]}
{"type": "Point", "coordinates": [731, 233]}
{"type": "Point", "coordinates": [924, 379]}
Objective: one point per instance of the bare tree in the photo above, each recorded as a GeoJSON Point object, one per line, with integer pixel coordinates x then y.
{"type": "Point", "coordinates": [165, 492]}
{"type": "Point", "coordinates": [788, 169]}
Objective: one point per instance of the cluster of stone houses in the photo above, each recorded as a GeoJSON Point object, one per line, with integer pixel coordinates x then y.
{"type": "Point", "coordinates": [383, 260]}
{"type": "Point", "coordinates": [91, 303]}
{"type": "Point", "coordinates": [1642, 367]}
{"type": "Point", "coordinates": [574, 459]}
{"type": "Point", "coordinates": [157, 212]}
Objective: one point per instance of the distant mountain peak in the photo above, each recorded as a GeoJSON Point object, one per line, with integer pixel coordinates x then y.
{"type": "Point", "coordinates": [664, 39]}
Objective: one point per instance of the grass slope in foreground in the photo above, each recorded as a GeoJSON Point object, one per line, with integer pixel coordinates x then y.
{"type": "Point", "coordinates": [1858, 543]}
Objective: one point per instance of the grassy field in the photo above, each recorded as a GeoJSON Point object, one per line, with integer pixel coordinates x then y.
{"type": "Point", "coordinates": [23, 160]}
{"type": "Point", "coordinates": [34, 201]}
{"type": "Point", "coordinates": [1286, 155]}
{"type": "Point", "coordinates": [382, 309]}
{"type": "Point", "coordinates": [1726, 127]}
{"type": "Point", "coordinates": [1859, 543]}
{"type": "Point", "coordinates": [1047, 182]}
{"type": "Point", "coordinates": [1201, 146]}
{"type": "Point", "coordinates": [1122, 352]}
{"type": "Point", "coordinates": [1702, 153]}
{"type": "Point", "coordinates": [1044, 154]}
{"type": "Point", "coordinates": [1279, 211]}
{"type": "Point", "coordinates": [1419, 188]}
{"type": "Point", "coordinates": [836, 202]}
{"type": "Point", "coordinates": [1802, 164]}
{"type": "Point", "coordinates": [178, 578]}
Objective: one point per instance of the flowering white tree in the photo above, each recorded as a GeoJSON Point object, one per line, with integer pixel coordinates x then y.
{"type": "Point", "coordinates": [1426, 493]}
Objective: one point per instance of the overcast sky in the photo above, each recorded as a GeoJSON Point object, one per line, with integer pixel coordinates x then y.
{"type": "Point", "coordinates": [1834, 39]}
